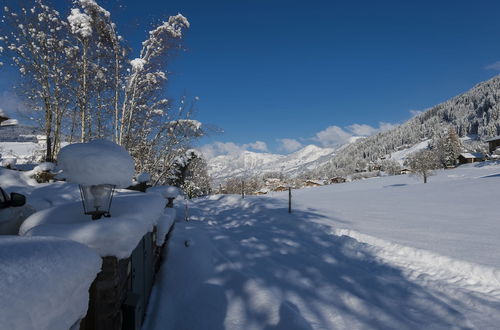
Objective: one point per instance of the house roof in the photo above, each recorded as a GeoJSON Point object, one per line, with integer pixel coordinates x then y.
{"type": "Point", "coordinates": [318, 182]}
{"type": "Point", "coordinates": [472, 155]}
{"type": "Point", "coordinates": [495, 138]}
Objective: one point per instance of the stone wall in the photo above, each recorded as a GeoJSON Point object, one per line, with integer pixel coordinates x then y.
{"type": "Point", "coordinates": [116, 301]}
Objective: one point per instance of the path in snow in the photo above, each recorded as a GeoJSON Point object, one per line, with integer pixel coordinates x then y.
{"type": "Point", "coordinates": [251, 265]}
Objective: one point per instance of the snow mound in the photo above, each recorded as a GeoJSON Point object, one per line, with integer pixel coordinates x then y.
{"type": "Point", "coordinates": [45, 282]}
{"type": "Point", "coordinates": [44, 167]}
{"type": "Point", "coordinates": [165, 191]}
{"type": "Point", "coordinates": [8, 162]}
{"type": "Point", "coordinates": [96, 162]}
{"type": "Point", "coordinates": [143, 177]}
{"type": "Point", "coordinates": [133, 215]}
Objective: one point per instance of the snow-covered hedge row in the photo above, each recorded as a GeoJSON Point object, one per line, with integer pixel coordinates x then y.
{"type": "Point", "coordinates": [44, 282]}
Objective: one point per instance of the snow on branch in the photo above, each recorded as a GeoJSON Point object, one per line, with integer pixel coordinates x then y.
{"type": "Point", "coordinates": [80, 23]}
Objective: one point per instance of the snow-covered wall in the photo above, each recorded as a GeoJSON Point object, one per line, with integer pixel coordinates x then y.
{"type": "Point", "coordinates": [44, 282]}
{"type": "Point", "coordinates": [133, 215]}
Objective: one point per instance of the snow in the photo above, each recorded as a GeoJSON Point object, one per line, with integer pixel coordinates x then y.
{"type": "Point", "coordinates": [80, 23]}
{"type": "Point", "coordinates": [8, 162]}
{"type": "Point", "coordinates": [23, 151]}
{"type": "Point", "coordinates": [44, 167]}
{"type": "Point", "coordinates": [132, 216]}
{"type": "Point", "coordinates": [472, 155]}
{"type": "Point", "coordinates": [164, 224]}
{"type": "Point", "coordinates": [401, 155]}
{"type": "Point", "coordinates": [381, 253]}
{"type": "Point", "coordinates": [248, 163]}
{"type": "Point", "coordinates": [12, 181]}
{"type": "Point", "coordinates": [166, 191]}
{"type": "Point", "coordinates": [137, 64]}
{"type": "Point", "coordinates": [10, 122]}
{"type": "Point", "coordinates": [143, 177]}
{"type": "Point", "coordinates": [45, 282]}
{"type": "Point", "coordinates": [96, 162]}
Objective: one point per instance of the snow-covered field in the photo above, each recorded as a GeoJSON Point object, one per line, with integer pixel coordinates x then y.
{"type": "Point", "coordinates": [383, 253]}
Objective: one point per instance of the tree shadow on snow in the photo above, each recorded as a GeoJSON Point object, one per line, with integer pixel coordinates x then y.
{"type": "Point", "coordinates": [288, 272]}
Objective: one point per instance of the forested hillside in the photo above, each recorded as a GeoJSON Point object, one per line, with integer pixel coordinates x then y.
{"type": "Point", "coordinates": [474, 113]}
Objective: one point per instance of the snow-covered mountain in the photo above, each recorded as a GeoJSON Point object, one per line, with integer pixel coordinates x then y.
{"type": "Point", "coordinates": [249, 163]}
{"type": "Point", "coordinates": [474, 113]}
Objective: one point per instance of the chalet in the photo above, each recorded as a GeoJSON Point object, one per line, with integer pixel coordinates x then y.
{"type": "Point", "coordinates": [405, 171]}
{"type": "Point", "coordinates": [281, 188]}
{"type": "Point", "coordinates": [3, 118]}
{"type": "Point", "coordinates": [493, 143]}
{"type": "Point", "coordinates": [262, 192]}
{"type": "Point", "coordinates": [337, 179]}
{"type": "Point", "coordinates": [313, 183]}
{"type": "Point", "coordinates": [470, 157]}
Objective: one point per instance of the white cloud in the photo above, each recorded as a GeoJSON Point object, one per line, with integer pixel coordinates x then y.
{"type": "Point", "coordinates": [289, 145]}
{"type": "Point", "coordinates": [415, 113]}
{"type": "Point", "coordinates": [332, 136]}
{"type": "Point", "coordinates": [257, 145]}
{"type": "Point", "coordinates": [335, 136]}
{"type": "Point", "coordinates": [362, 129]}
{"type": "Point", "coordinates": [493, 66]}
{"type": "Point", "coordinates": [230, 148]}
{"type": "Point", "coordinates": [382, 126]}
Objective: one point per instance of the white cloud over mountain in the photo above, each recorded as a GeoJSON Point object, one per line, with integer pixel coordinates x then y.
{"type": "Point", "coordinates": [332, 136]}
{"type": "Point", "coordinates": [289, 145]}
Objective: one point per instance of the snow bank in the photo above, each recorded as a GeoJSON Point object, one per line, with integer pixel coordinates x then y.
{"type": "Point", "coordinates": [44, 167]}
{"type": "Point", "coordinates": [11, 162]}
{"type": "Point", "coordinates": [133, 215]}
{"type": "Point", "coordinates": [45, 282]}
{"type": "Point", "coordinates": [96, 162]}
{"type": "Point", "coordinates": [143, 177]}
{"type": "Point", "coordinates": [165, 191]}
{"type": "Point", "coordinates": [416, 262]}
{"type": "Point", "coordinates": [164, 224]}
{"type": "Point", "coordinates": [15, 181]}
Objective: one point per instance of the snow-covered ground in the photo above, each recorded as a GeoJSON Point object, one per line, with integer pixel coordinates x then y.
{"type": "Point", "coordinates": [382, 253]}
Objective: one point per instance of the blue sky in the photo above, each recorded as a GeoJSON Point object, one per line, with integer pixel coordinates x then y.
{"type": "Point", "coordinates": [308, 71]}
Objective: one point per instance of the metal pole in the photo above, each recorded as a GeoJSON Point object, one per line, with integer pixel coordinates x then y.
{"type": "Point", "coordinates": [289, 199]}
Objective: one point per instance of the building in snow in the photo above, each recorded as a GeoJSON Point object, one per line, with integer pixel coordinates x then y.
{"type": "Point", "coordinates": [281, 188]}
{"type": "Point", "coordinates": [470, 157]}
{"type": "Point", "coordinates": [493, 143]}
{"type": "Point", "coordinates": [3, 118]}
{"type": "Point", "coordinates": [337, 179]}
{"type": "Point", "coordinates": [313, 183]}
{"type": "Point", "coordinates": [405, 171]}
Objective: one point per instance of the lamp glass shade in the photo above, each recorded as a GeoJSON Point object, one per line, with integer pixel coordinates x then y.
{"type": "Point", "coordinates": [97, 199]}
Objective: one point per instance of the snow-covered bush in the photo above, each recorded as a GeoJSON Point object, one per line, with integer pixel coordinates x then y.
{"type": "Point", "coordinates": [8, 162]}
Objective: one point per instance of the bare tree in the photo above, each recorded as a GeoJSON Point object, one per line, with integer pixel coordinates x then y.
{"type": "Point", "coordinates": [423, 162]}
{"type": "Point", "coordinates": [35, 40]}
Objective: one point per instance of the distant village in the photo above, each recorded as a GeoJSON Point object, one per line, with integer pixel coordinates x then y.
{"type": "Point", "coordinates": [277, 182]}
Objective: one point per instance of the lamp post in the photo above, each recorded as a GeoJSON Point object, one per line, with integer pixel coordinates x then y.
{"type": "Point", "coordinates": [97, 199]}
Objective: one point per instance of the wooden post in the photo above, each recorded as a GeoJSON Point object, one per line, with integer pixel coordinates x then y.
{"type": "Point", "coordinates": [289, 199]}
{"type": "Point", "coordinates": [242, 189]}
